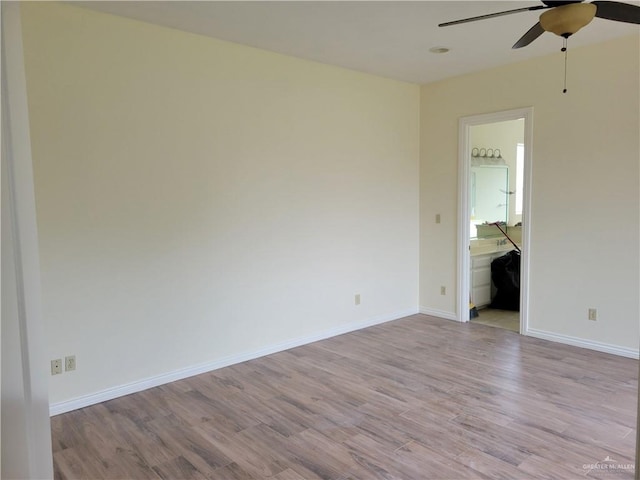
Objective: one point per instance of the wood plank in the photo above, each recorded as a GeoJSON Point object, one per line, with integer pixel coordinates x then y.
{"type": "Point", "coordinates": [415, 398]}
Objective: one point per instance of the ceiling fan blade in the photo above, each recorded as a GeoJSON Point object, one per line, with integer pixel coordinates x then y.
{"type": "Point", "coordinates": [619, 12]}
{"type": "Point", "coordinates": [533, 33]}
{"type": "Point", "coordinates": [491, 15]}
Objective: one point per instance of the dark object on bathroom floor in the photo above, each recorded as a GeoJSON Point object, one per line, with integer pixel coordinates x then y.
{"type": "Point", "coordinates": [473, 311]}
{"type": "Point", "coordinates": [505, 274]}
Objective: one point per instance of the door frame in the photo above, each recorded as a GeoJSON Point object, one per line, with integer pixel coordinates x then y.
{"type": "Point", "coordinates": [26, 425]}
{"type": "Point", "coordinates": [464, 169]}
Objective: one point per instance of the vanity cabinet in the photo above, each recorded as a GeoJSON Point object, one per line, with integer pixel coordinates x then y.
{"type": "Point", "coordinates": [480, 280]}
{"type": "Point", "coordinates": [481, 287]}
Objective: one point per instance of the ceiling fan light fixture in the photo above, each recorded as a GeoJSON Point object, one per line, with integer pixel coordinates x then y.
{"type": "Point", "coordinates": [567, 19]}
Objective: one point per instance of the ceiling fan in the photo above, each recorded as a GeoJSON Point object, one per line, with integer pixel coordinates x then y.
{"type": "Point", "coordinates": [564, 18]}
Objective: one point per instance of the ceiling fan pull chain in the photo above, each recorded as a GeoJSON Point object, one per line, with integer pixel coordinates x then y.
{"type": "Point", "coordinates": [564, 49]}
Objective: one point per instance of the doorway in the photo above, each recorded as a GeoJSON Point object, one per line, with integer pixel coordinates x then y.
{"type": "Point", "coordinates": [494, 185]}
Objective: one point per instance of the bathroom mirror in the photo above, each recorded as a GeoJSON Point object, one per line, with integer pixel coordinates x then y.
{"type": "Point", "coordinates": [489, 198]}
{"type": "Point", "coordinates": [496, 176]}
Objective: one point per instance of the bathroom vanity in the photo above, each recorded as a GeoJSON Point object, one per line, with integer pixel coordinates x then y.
{"type": "Point", "coordinates": [483, 252]}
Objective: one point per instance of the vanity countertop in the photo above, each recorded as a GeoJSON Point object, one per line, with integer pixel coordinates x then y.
{"type": "Point", "coordinates": [487, 246]}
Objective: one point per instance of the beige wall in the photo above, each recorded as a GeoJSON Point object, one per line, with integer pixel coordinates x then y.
{"type": "Point", "coordinates": [199, 200]}
{"type": "Point", "coordinates": [585, 195]}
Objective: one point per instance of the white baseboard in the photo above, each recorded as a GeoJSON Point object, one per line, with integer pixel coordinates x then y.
{"type": "Point", "coordinates": [144, 384]}
{"type": "Point", "coordinates": [434, 312]}
{"type": "Point", "coordinates": [580, 342]}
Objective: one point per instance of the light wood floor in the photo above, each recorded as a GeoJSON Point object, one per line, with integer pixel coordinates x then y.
{"type": "Point", "coordinates": [418, 398]}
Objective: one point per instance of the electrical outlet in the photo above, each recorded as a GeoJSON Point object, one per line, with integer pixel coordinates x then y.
{"type": "Point", "coordinates": [56, 366]}
{"type": "Point", "coordinates": [69, 363]}
{"type": "Point", "coordinates": [356, 299]}
{"type": "Point", "coordinates": [593, 314]}
{"type": "Point", "coordinates": [437, 218]}
{"type": "Point", "coordinates": [443, 290]}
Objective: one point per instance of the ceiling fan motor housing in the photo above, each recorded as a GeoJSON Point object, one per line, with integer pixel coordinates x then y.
{"type": "Point", "coordinates": [559, 3]}
{"type": "Point", "coordinates": [566, 20]}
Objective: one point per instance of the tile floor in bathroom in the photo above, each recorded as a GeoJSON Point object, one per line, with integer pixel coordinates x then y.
{"type": "Point", "coordinates": [492, 317]}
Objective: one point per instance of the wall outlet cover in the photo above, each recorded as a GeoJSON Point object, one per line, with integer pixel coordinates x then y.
{"type": "Point", "coordinates": [69, 363]}
{"type": "Point", "coordinates": [56, 366]}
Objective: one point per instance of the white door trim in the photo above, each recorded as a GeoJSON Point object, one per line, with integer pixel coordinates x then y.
{"type": "Point", "coordinates": [26, 427]}
{"type": "Point", "coordinates": [464, 156]}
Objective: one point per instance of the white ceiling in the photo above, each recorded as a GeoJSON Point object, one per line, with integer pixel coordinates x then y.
{"type": "Point", "coordinates": [386, 38]}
